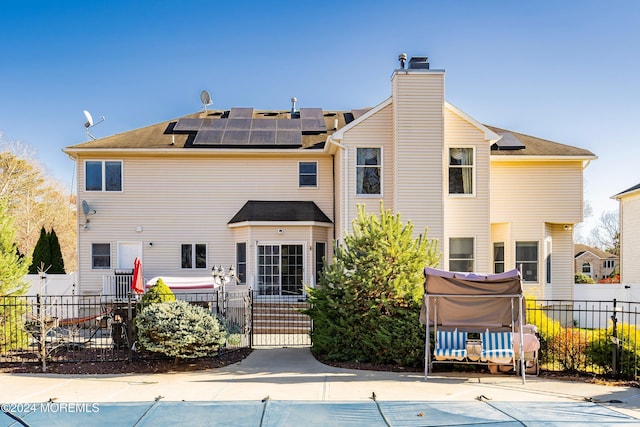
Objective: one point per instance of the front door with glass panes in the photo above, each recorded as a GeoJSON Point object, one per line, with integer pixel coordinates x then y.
{"type": "Point", "coordinates": [280, 270]}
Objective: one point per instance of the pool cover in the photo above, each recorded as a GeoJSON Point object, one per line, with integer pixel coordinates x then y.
{"type": "Point", "coordinates": [312, 413]}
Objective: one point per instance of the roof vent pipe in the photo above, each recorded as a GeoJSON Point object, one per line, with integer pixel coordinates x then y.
{"type": "Point", "coordinates": [402, 58]}
{"type": "Point", "coordinates": [293, 105]}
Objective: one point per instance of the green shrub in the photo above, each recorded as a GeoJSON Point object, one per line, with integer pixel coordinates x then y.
{"type": "Point", "coordinates": [600, 350]}
{"type": "Point", "coordinates": [366, 307]}
{"type": "Point", "coordinates": [159, 292]}
{"type": "Point", "coordinates": [568, 347]}
{"type": "Point", "coordinates": [179, 329]}
{"type": "Point", "coordinates": [582, 278]}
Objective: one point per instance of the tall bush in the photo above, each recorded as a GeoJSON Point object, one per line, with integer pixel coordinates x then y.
{"type": "Point", "coordinates": [47, 254]}
{"type": "Point", "coordinates": [179, 329]}
{"type": "Point", "coordinates": [13, 269]}
{"type": "Point", "coordinates": [367, 304]}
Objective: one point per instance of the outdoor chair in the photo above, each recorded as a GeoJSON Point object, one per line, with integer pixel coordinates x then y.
{"type": "Point", "coordinates": [450, 345]}
{"type": "Point", "coordinates": [497, 347]}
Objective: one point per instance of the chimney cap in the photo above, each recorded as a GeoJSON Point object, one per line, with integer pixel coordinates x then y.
{"type": "Point", "coordinates": [419, 62]}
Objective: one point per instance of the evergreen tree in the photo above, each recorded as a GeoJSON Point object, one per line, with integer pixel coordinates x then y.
{"type": "Point", "coordinates": [41, 254]}
{"type": "Point", "coordinates": [367, 305]}
{"type": "Point", "coordinates": [57, 262]}
{"type": "Point", "coordinates": [13, 269]}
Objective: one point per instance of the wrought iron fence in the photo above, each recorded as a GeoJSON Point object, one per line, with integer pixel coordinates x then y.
{"type": "Point", "coordinates": [590, 337]}
{"type": "Point", "coordinates": [95, 328]}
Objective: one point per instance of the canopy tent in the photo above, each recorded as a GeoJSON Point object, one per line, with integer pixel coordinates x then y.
{"type": "Point", "coordinates": [184, 283]}
{"type": "Point", "coordinates": [472, 303]}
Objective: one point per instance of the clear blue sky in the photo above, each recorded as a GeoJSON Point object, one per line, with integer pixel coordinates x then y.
{"type": "Point", "coordinates": [561, 70]}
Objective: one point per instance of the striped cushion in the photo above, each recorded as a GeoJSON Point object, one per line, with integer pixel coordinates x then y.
{"type": "Point", "coordinates": [451, 344]}
{"type": "Point", "coordinates": [496, 345]}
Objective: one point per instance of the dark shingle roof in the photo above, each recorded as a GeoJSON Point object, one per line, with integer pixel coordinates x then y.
{"type": "Point", "coordinates": [536, 146]}
{"type": "Point", "coordinates": [286, 211]}
{"type": "Point", "coordinates": [628, 190]}
{"type": "Point", "coordinates": [579, 249]}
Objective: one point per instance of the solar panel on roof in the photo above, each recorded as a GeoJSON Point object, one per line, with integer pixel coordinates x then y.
{"type": "Point", "coordinates": [263, 124]}
{"type": "Point", "coordinates": [288, 137]}
{"type": "Point", "coordinates": [238, 124]}
{"type": "Point", "coordinates": [241, 113]}
{"type": "Point", "coordinates": [235, 137]}
{"type": "Point", "coordinates": [208, 137]}
{"type": "Point", "coordinates": [288, 124]}
{"type": "Point", "coordinates": [311, 113]}
{"type": "Point", "coordinates": [188, 125]}
{"type": "Point", "coordinates": [313, 125]}
{"type": "Point", "coordinates": [211, 124]}
{"type": "Point", "coordinates": [262, 137]}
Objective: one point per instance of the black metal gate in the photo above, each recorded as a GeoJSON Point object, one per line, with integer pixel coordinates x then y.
{"type": "Point", "coordinates": [277, 321]}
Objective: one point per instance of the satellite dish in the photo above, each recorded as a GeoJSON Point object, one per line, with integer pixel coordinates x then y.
{"type": "Point", "coordinates": [205, 97]}
{"type": "Point", "coordinates": [90, 123]}
{"type": "Point", "coordinates": [86, 209]}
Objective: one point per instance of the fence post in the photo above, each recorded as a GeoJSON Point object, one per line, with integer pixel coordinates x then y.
{"type": "Point", "coordinates": [129, 326]}
{"type": "Point", "coordinates": [614, 340]}
{"type": "Point", "coordinates": [250, 291]}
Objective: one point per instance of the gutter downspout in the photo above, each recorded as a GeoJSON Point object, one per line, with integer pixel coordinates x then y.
{"type": "Point", "coordinates": [345, 205]}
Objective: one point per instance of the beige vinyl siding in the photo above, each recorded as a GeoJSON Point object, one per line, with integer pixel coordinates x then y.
{"type": "Point", "coordinates": [418, 120]}
{"type": "Point", "coordinates": [630, 239]}
{"type": "Point", "coordinates": [468, 215]}
{"type": "Point", "coordinates": [189, 200]}
{"type": "Point", "coordinates": [536, 192]}
{"type": "Point", "coordinates": [562, 270]}
{"type": "Point", "coordinates": [374, 132]}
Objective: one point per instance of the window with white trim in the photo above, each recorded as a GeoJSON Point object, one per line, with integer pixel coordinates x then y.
{"type": "Point", "coordinates": [308, 174]}
{"type": "Point", "coordinates": [460, 170]}
{"type": "Point", "coordinates": [368, 171]}
{"type": "Point", "coordinates": [461, 254]}
{"type": "Point", "coordinates": [103, 175]}
{"type": "Point", "coordinates": [241, 262]}
{"type": "Point", "coordinates": [101, 256]}
{"type": "Point", "coordinates": [321, 253]}
{"type": "Point", "coordinates": [193, 256]}
{"type": "Point", "coordinates": [527, 260]}
{"type": "Point", "coordinates": [498, 257]}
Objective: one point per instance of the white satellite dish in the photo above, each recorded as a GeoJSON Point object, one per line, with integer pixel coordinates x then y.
{"type": "Point", "coordinates": [86, 209]}
{"type": "Point", "coordinates": [89, 123]}
{"type": "Point", "coordinates": [205, 97]}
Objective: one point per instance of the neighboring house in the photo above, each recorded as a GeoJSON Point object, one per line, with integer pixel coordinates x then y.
{"type": "Point", "coordinates": [595, 263]}
{"type": "Point", "coordinates": [629, 210]}
{"type": "Point", "coordinates": [270, 192]}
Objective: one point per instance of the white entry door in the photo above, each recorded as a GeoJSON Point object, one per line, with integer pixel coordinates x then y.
{"type": "Point", "coordinates": [127, 253]}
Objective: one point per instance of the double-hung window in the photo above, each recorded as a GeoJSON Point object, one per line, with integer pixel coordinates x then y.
{"type": "Point", "coordinates": [193, 256]}
{"type": "Point", "coordinates": [368, 171]}
{"type": "Point", "coordinates": [321, 253]}
{"type": "Point", "coordinates": [241, 262]}
{"type": "Point", "coordinates": [308, 174]}
{"type": "Point", "coordinates": [460, 170]}
{"type": "Point", "coordinates": [498, 257]}
{"type": "Point", "coordinates": [101, 256]}
{"type": "Point", "coordinates": [461, 254]}
{"type": "Point", "coordinates": [103, 175]}
{"type": "Point", "coordinates": [527, 260]}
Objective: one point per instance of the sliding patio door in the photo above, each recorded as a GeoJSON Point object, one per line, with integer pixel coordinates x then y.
{"type": "Point", "coordinates": [280, 269]}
